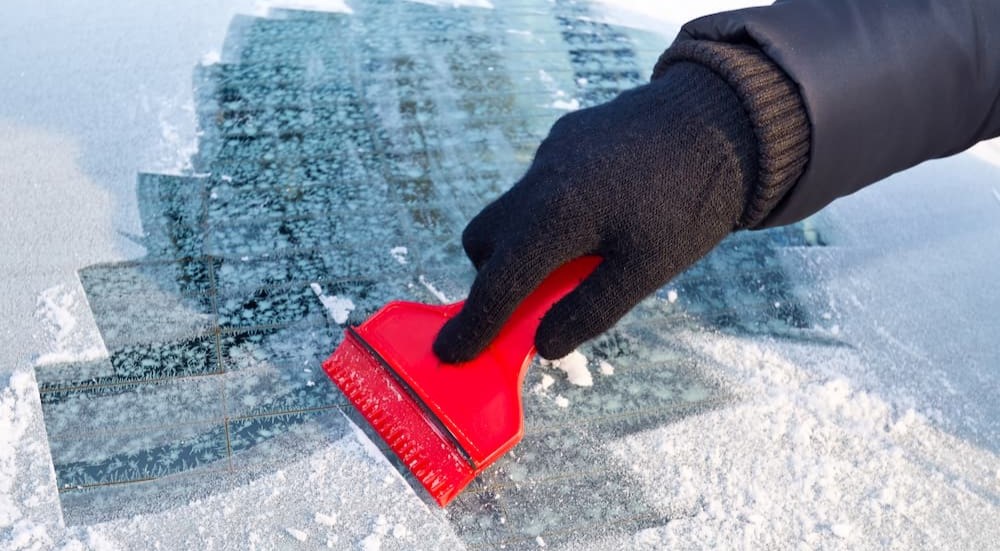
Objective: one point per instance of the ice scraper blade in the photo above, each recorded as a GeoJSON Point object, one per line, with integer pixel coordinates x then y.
{"type": "Point", "coordinates": [446, 422]}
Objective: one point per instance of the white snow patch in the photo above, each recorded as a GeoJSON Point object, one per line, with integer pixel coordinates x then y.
{"type": "Point", "coordinates": [178, 141]}
{"type": "Point", "coordinates": [73, 333]}
{"type": "Point", "coordinates": [560, 99]}
{"type": "Point", "coordinates": [567, 105]}
{"type": "Point", "coordinates": [672, 296]}
{"type": "Point", "coordinates": [485, 4]}
{"type": "Point", "coordinates": [373, 541]}
{"type": "Point", "coordinates": [399, 253]}
{"type": "Point", "coordinates": [540, 541]}
{"type": "Point", "coordinates": [263, 7]}
{"type": "Point", "coordinates": [20, 491]}
{"type": "Point", "coordinates": [562, 401]}
{"type": "Point", "coordinates": [324, 519]}
{"type": "Point", "coordinates": [211, 58]}
{"type": "Point", "coordinates": [434, 290]}
{"type": "Point", "coordinates": [339, 308]}
{"type": "Point", "coordinates": [841, 530]}
{"type": "Point", "coordinates": [988, 151]}
{"type": "Point", "coordinates": [574, 365]}
{"type": "Point", "coordinates": [606, 368]}
{"type": "Point", "coordinates": [297, 534]}
{"type": "Point", "coordinates": [864, 466]}
{"type": "Point", "coordinates": [543, 386]}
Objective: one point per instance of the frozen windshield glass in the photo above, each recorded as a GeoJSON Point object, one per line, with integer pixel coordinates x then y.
{"type": "Point", "coordinates": [338, 159]}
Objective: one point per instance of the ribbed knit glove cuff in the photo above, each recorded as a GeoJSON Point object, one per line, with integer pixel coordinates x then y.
{"type": "Point", "coordinates": [775, 109]}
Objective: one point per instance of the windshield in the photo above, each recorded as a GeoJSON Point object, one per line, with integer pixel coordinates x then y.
{"type": "Point", "coordinates": [326, 163]}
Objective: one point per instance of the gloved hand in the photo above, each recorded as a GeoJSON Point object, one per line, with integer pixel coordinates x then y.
{"type": "Point", "coordinates": [650, 181]}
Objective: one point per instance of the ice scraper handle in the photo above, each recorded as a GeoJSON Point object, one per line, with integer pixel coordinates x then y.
{"type": "Point", "coordinates": [446, 423]}
{"type": "Point", "coordinates": [517, 336]}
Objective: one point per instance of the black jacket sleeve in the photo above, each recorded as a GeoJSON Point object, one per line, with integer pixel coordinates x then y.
{"type": "Point", "coordinates": [886, 84]}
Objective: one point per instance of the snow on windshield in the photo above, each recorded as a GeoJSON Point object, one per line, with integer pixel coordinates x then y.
{"type": "Point", "coordinates": [771, 395]}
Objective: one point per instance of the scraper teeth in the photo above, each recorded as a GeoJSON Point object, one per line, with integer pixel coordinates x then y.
{"type": "Point", "coordinates": [439, 468]}
{"type": "Point", "coordinates": [435, 483]}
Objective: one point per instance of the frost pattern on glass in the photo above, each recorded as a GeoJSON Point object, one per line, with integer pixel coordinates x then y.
{"type": "Point", "coordinates": [345, 153]}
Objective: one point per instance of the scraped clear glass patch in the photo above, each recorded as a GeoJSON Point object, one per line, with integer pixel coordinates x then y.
{"type": "Point", "coordinates": [340, 158]}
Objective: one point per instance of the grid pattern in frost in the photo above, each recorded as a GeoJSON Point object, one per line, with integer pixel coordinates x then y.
{"type": "Point", "coordinates": [341, 156]}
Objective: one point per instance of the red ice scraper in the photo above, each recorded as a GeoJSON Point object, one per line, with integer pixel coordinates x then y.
{"type": "Point", "coordinates": [447, 422]}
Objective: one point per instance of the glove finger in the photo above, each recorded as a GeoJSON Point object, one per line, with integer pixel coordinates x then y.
{"type": "Point", "coordinates": [479, 235]}
{"type": "Point", "coordinates": [501, 284]}
{"type": "Point", "coordinates": [592, 308]}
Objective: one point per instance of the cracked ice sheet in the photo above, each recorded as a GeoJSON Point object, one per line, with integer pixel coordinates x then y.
{"type": "Point", "coordinates": [342, 495]}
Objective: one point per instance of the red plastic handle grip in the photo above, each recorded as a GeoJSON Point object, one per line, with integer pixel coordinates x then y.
{"type": "Point", "coordinates": [516, 341]}
{"type": "Point", "coordinates": [477, 402]}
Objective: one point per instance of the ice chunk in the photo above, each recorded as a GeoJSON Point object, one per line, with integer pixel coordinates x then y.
{"type": "Point", "coordinates": [575, 366]}
{"type": "Point", "coordinates": [338, 307]}
{"type": "Point", "coordinates": [606, 368]}
{"type": "Point", "coordinates": [399, 253]}
{"type": "Point", "coordinates": [325, 520]}
{"type": "Point", "coordinates": [434, 290]}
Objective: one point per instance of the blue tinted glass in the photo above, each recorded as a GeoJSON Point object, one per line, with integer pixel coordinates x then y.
{"type": "Point", "coordinates": [341, 156]}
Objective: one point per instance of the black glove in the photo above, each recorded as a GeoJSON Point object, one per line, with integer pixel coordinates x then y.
{"type": "Point", "coordinates": [650, 181]}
